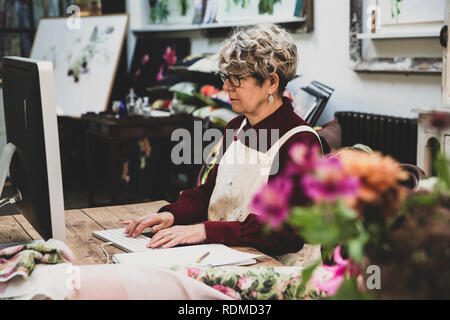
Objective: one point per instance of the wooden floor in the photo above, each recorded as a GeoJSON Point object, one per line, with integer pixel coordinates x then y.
{"type": "Point", "coordinates": [81, 223]}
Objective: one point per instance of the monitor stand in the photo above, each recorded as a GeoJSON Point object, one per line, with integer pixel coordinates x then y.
{"type": "Point", "coordinates": [5, 162]}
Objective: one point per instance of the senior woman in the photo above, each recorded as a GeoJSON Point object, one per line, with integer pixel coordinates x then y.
{"type": "Point", "coordinates": [256, 64]}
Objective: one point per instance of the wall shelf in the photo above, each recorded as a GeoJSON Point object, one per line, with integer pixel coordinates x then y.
{"type": "Point", "coordinates": [403, 35]}
{"type": "Point", "coordinates": [214, 28]}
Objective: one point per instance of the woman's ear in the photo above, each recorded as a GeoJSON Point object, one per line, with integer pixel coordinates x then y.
{"type": "Point", "coordinates": [274, 83]}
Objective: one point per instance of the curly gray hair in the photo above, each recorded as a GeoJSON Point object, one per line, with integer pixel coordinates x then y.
{"type": "Point", "coordinates": [260, 51]}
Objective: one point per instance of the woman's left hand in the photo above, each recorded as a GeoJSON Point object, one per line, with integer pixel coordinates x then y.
{"type": "Point", "coordinates": [170, 237]}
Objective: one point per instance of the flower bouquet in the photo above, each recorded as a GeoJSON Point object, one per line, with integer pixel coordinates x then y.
{"type": "Point", "coordinates": [379, 238]}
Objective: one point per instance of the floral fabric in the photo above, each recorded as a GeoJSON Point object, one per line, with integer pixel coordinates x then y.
{"type": "Point", "coordinates": [260, 283]}
{"type": "Point", "coordinates": [21, 260]}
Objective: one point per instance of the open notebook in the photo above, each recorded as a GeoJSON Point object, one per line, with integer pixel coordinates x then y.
{"type": "Point", "coordinates": [219, 255]}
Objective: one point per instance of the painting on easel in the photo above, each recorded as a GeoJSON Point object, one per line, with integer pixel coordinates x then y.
{"type": "Point", "coordinates": [84, 60]}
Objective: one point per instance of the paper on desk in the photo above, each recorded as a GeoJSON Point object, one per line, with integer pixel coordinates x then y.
{"type": "Point", "coordinates": [220, 255]}
{"type": "Point", "coordinates": [160, 114]}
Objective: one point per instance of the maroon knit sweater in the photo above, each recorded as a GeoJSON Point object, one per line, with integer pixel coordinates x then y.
{"type": "Point", "coordinates": [192, 205]}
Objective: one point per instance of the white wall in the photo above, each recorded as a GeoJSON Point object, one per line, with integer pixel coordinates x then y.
{"type": "Point", "coordinates": [324, 56]}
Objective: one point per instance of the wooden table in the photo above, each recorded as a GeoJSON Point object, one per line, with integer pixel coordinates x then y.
{"type": "Point", "coordinates": [81, 223]}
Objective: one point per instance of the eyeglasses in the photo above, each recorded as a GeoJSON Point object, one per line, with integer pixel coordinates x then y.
{"type": "Point", "coordinates": [234, 79]}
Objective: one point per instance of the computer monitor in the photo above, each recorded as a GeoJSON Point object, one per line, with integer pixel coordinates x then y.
{"type": "Point", "coordinates": [33, 144]}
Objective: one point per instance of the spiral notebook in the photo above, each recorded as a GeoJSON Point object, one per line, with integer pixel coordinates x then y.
{"type": "Point", "coordinates": [219, 255]}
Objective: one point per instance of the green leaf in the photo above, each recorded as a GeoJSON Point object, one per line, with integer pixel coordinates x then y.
{"type": "Point", "coordinates": [327, 254]}
{"type": "Point", "coordinates": [349, 291]}
{"type": "Point", "coordinates": [325, 224]}
{"type": "Point", "coordinates": [356, 247]}
{"type": "Point", "coordinates": [345, 212]}
{"type": "Point", "coordinates": [420, 200]}
{"type": "Point", "coordinates": [306, 277]}
{"type": "Point", "coordinates": [442, 167]}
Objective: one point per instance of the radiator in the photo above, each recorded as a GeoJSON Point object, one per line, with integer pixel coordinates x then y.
{"type": "Point", "coordinates": [392, 136]}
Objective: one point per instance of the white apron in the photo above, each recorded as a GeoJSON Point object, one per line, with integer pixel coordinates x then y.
{"type": "Point", "coordinates": [241, 174]}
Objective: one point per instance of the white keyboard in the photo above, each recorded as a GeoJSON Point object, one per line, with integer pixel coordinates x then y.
{"type": "Point", "coordinates": [122, 241]}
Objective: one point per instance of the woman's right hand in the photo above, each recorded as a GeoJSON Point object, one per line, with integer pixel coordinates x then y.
{"type": "Point", "coordinates": [158, 221]}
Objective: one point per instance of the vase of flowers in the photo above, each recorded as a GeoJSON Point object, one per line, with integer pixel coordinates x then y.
{"type": "Point", "coordinates": [363, 214]}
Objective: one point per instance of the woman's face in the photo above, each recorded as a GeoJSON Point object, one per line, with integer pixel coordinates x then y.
{"type": "Point", "coordinates": [249, 96]}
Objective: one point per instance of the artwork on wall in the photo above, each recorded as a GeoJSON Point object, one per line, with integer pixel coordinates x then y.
{"type": "Point", "coordinates": [398, 64]}
{"type": "Point", "coordinates": [222, 11]}
{"type": "Point", "coordinates": [395, 12]}
{"type": "Point", "coordinates": [173, 11]}
{"type": "Point", "coordinates": [84, 60]}
{"type": "Point", "coordinates": [152, 59]}
{"type": "Point", "coordinates": [232, 10]}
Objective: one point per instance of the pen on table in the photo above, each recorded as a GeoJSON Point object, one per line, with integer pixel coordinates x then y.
{"type": "Point", "coordinates": [202, 257]}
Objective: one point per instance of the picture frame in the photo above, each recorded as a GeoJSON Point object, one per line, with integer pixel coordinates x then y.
{"type": "Point", "coordinates": [403, 65]}
{"type": "Point", "coordinates": [411, 12]}
{"type": "Point", "coordinates": [85, 60]}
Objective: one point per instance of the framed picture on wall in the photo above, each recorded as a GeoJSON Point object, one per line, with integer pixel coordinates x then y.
{"type": "Point", "coordinates": [396, 13]}
{"type": "Point", "coordinates": [229, 11]}
{"type": "Point", "coordinates": [84, 60]}
{"type": "Point", "coordinates": [375, 21]}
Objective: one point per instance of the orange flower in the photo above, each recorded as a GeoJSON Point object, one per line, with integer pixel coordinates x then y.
{"type": "Point", "coordinates": [379, 175]}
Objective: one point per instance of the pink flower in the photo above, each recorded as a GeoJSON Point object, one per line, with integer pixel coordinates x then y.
{"type": "Point", "coordinates": [330, 278]}
{"type": "Point", "coordinates": [328, 182]}
{"type": "Point", "coordinates": [227, 291]}
{"type": "Point", "coordinates": [272, 202]}
{"type": "Point", "coordinates": [160, 74]}
{"type": "Point", "coordinates": [138, 73]}
{"type": "Point", "coordinates": [302, 159]}
{"type": "Point", "coordinates": [170, 56]}
{"type": "Point", "coordinates": [244, 282]}
{"type": "Point", "coordinates": [193, 272]}
{"type": "Point", "coordinates": [145, 59]}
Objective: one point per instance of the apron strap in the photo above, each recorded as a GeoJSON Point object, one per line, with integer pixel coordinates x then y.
{"type": "Point", "coordinates": [242, 127]}
{"type": "Point", "coordinates": [276, 147]}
